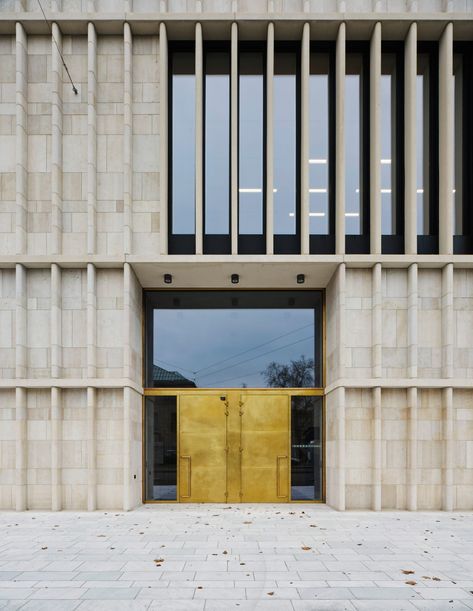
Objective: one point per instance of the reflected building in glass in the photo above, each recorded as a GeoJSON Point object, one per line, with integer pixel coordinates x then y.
{"type": "Point", "coordinates": [237, 265]}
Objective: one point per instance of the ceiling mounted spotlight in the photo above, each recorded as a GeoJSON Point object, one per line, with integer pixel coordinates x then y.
{"type": "Point", "coordinates": [167, 279]}
{"type": "Point", "coordinates": [235, 278]}
{"type": "Point", "coordinates": [300, 278]}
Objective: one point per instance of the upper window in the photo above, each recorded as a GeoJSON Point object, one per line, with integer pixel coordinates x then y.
{"type": "Point", "coordinates": [285, 136]}
{"type": "Point", "coordinates": [251, 158]}
{"type": "Point", "coordinates": [182, 151]}
{"type": "Point", "coordinates": [217, 151]}
{"type": "Point", "coordinates": [427, 149]}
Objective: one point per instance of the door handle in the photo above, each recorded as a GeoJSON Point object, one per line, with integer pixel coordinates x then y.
{"type": "Point", "coordinates": [278, 477]}
{"type": "Point", "coordinates": [189, 475]}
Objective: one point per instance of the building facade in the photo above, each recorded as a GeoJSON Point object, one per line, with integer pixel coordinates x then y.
{"type": "Point", "coordinates": [236, 253]}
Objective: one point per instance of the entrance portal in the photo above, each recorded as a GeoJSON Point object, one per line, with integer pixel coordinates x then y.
{"type": "Point", "coordinates": [234, 446]}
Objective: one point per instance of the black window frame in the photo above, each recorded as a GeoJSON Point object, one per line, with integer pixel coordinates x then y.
{"type": "Point", "coordinates": [253, 244]}
{"type": "Point", "coordinates": [463, 243]}
{"type": "Point", "coordinates": [354, 243]}
{"type": "Point", "coordinates": [290, 244]}
{"type": "Point", "coordinates": [394, 244]}
{"type": "Point", "coordinates": [325, 244]}
{"type": "Point", "coordinates": [178, 244]}
{"type": "Point", "coordinates": [429, 244]}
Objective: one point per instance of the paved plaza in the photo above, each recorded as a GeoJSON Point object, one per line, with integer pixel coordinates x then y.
{"type": "Point", "coordinates": [245, 557]}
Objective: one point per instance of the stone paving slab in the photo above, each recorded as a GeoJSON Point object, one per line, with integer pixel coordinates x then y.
{"type": "Point", "coordinates": [246, 558]}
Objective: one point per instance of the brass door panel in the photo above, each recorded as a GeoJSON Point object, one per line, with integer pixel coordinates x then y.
{"type": "Point", "coordinates": [202, 448]}
{"type": "Point", "coordinates": [264, 448]}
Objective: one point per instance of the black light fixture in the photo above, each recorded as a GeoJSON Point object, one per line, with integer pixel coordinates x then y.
{"type": "Point", "coordinates": [300, 278]}
{"type": "Point", "coordinates": [235, 278]}
{"type": "Point", "coordinates": [167, 279]}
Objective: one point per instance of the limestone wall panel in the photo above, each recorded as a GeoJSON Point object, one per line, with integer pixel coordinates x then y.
{"type": "Point", "coordinates": [38, 449]}
{"type": "Point", "coordinates": [429, 323]}
{"type": "Point", "coordinates": [7, 143]}
{"type": "Point", "coordinates": [74, 323]}
{"type": "Point", "coordinates": [394, 322]}
{"type": "Point", "coordinates": [7, 449]}
{"type": "Point", "coordinates": [109, 434]}
{"type": "Point", "coordinates": [109, 323]}
{"type": "Point", "coordinates": [7, 323]}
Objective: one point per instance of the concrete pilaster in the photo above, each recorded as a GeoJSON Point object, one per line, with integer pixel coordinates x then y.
{"type": "Point", "coordinates": [375, 140]}
{"type": "Point", "coordinates": [127, 278]}
{"type": "Point", "coordinates": [269, 141]}
{"type": "Point", "coordinates": [377, 321]}
{"type": "Point", "coordinates": [341, 287]}
{"type": "Point", "coordinates": [56, 459]}
{"type": "Point", "coordinates": [56, 143]}
{"type": "Point", "coordinates": [234, 138]}
{"type": "Point", "coordinates": [56, 343]}
{"type": "Point", "coordinates": [20, 323]}
{"type": "Point", "coordinates": [412, 313]}
{"type": "Point", "coordinates": [377, 452]}
{"type": "Point", "coordinates": [199, 140]}
{"type": "Point", "coordinates": [21, 140]}
{"type": "Point", "coordinates": [447, 321]}
{"type": "Point", "coordinates": [91, 321]}
{"type": "Point", "coordinates": [446, 140]}
{"type": "Point", "coordinates": [410, 162]}
{"type": "Point", "coordinates": [91, 450]}
{"type": "Point", "coordinates": [163, 137]}
{"type": "Point", "coordinates": [127, 141]}
{"type": "Point", "coordinates": [341, 444]}
{"type": "Point", "coordinates": [412, 449]}
{"type": "Point", "coordinates": [448, 503]}
{"type": "Point", "coordinates": [91, 139]}
{"type": "Point", "coordinates": [340, 62]}
{"type": "Point", "coordinates": [21, 450]}
{"type": "Point", "coordinates": [305, 197]}
{"type": "Point", "coordinates": [127, 435]}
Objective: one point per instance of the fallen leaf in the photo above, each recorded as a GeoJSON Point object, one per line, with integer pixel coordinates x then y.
{"type": "Point", "coordinates": [270, 593]}
{"type": "Point", "coordinates": [159, 560]}
{"type": "Point", "coordinates": [436, 579]}
{"type": "Point", "coordinates": [411, 583]}
{"type": "Point", "coordinates": [306, 548]}
{"type": "Point", "coordinates": [224, 551]}
{"type": "Point", "coordinates": [247, 522]}
{"type": "Point", "coordinates": [407, 572]}
{"type": "Point", "coordinates": [44, 548]}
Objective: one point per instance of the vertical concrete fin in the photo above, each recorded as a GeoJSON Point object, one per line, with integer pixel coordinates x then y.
{"type": "Point", "coordinates": [199, 141]}
{"type": "Point", "coordinates": [21, 415]}
{"type": "Point", "coordinates": [21, 322]}
{"type": "Point", "coordinates": [56, 443]}
{"type": "Point", "coordinates": [91, 321]}
{"type": "Point", "coordinates": [375, 140]}
{"type": "Point", "coordinates": [305, 132]}
{"type": "Point", "coordinates": [341, 448]}
{"type": "Point", "coordinates": [412, 315]}
{"type": "Point", "coordinates": [91, 449]}
{"type": "Point", "coordinates": [376, 501]}
{"type": "Point", "coordinates": [410, 155]}
{"type": "Point", "coordinates": [21, 209]}
{"type": "Point", "coordinates": [127, 141]}
{"type": "Point", "coordinates": [377, 321]}
{"type": "Point", "coordinates": [56, 142]}
{"type": "Point", "coordinates": [269, 140]}
{"type": "Point", "coordinates": [446, 140]}
{"type": "Point", "coordinates": [412, 449]}
{"type": "Point", "coordinates": [127, 435]}
{"type": "Point", "coordinates": [447, 321]}
{"type": "Point", "coordinates": [56, 343]}
{"type": "Point", "coordinates": [340, 61]}
{"type": "Point", "coordinates": [127, 314]}
{"type": "Point", "coordinates": [91, 139]}
{"type": "Point", "coordinates": [163, 137]}
{"type": "Point", "coordinates": [448, 502]}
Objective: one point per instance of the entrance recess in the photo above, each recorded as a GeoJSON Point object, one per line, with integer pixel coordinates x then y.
{"type": "Point", "coordinates": [234, 445]}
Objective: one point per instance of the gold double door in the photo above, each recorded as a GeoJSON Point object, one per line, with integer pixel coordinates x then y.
{"type": "Point", "coordinates": [234, 446]}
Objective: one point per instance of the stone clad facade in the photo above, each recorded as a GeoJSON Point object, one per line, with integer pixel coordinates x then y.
{"type": "Point", "coordinates": [83, 229]}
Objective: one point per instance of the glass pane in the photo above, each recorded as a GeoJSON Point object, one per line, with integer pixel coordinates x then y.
{"type": "Point", "coordinates": [422, 144]}
{"type": "Point", "coordinates": [251, 136]}
{"type": "Point", "coordinates": [161, 449]}
{"type": "Point", "coordinates": [353, 141]}
{"type": "Point", "coordinates": [306, 448]}
{"type": "Point", "coordinates": [458, 150]}
{"type": "Point", "coordinates": [388, 135]}
{"type": "Point", "coordinates": [217, 143]}
{"type": "Point", "coordinates": [319, 144]}
{"type": "Point", "coordinates": [183, 143]}
{"type": "Point", "coordinates": [207, 340]}
{"type": "Point", "coordinates": [285, 143]}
